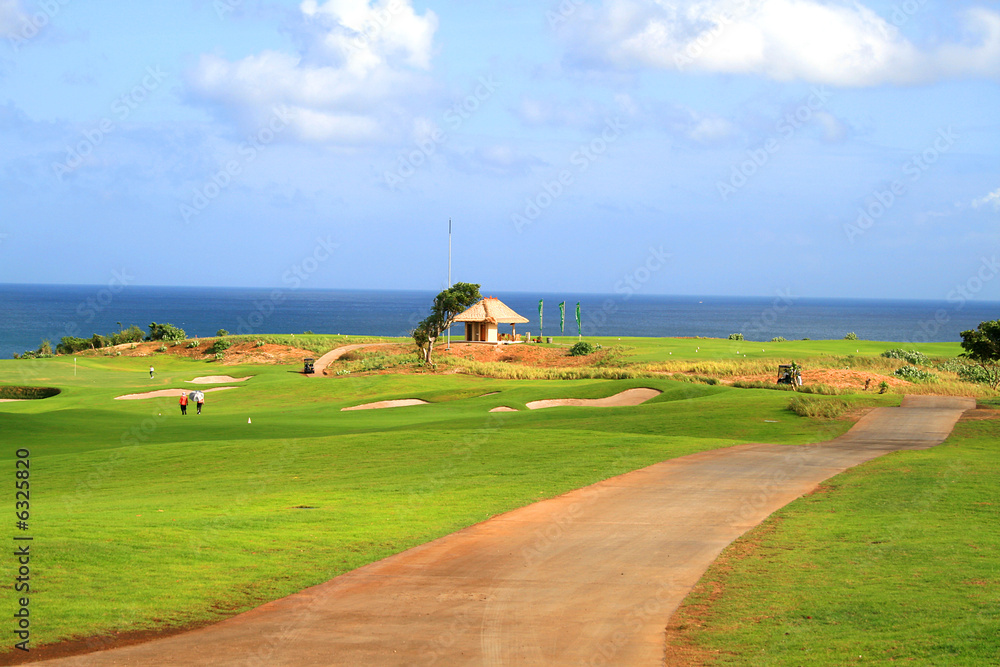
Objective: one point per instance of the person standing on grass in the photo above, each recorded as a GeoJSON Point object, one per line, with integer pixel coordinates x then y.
{"type": "Point", "coordinates": [150, 372]}
{"type": "Point", "coordinates": [200, 400]}
{"type": "Point", "coordinates": [184, 403]}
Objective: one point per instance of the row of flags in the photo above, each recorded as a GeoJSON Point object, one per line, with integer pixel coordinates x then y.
{"type": "Point", "coordinates": [562, 318]}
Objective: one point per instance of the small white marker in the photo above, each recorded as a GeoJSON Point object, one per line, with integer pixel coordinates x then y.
{"type": "Point", "coordinates": [248, 421]}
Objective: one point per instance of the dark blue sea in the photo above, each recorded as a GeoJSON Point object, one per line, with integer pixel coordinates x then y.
{"type": "Point", "coordinates": [31, 313]}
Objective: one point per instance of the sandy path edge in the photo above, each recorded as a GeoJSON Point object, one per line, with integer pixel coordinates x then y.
{"type": "Point", "coordinates": [319, 366]}
{"type": "Point", "coordinates": [589, 577]}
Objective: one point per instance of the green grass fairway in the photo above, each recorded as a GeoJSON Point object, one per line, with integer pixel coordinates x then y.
{"type": "Point", "coordinates": [894, 562]}
{"type": "Point", "coordinates": [717, 349]}
{"type": "Point", "coordinates": [146, 520]}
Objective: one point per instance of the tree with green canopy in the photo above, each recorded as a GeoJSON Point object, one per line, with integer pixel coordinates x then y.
{"type": "Point", "coordinates": [447, 305]}
{"type": "Point", "coordinates": [982, 345]}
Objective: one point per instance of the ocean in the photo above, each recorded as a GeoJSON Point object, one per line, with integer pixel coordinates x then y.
{"type": "Point", "coordinates": [31, 313]}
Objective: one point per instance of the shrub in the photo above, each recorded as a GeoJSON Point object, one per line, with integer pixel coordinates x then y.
{"type": "Point", "coordinates": [779, 339]}
{"type": "Point", "coordinates": [914, 374]}
{"type": "Point", "coordinates": [951, 365]}
{"type": "Point", "coordinates": [819, 388]}
{"type": "Point", "coordinates": [757, 384]}
{"type": "Point", "coordinates": [71, 344]}
{"type": "Point", "coordinates": [165, 332]}
{"type": "Point", "coordinates": [823, 408]}
{"type": "Point", "coordinates": [581, 349]}
{"type": "Point", "coordinates": [162, 348]}
{"type": "Point", "coordinates": [131, 335]}
{"type": "Point", "coordinates": [976, 374]}
{"type": "Point", "coordinates": [910, 356]}
{"type": "Point", "coordinates": [221, 332]}
{"type": "Point", "coordinates": [736, 336]}
{"type": "Point", "coordinates": [219, 346]}
{"type": "Point", "coordinates": [259, 343]}
{"type": "Point", "coordinates": [193, 344]}
{"type": "Point", "coordinates": [219, 356]}
{"type": "Point", "coordinates": [851, 336]}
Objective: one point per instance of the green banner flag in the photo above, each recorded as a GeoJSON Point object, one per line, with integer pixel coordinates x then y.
{"type": "Point", "coordinates": [540, 318]}
{"type": "Point", "coordinates": [579, 324]}
{"type": "Point", "coordinates": [562, 317]}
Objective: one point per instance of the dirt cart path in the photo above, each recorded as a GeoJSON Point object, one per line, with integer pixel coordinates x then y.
{"type": "Point", "coordinates": [320, 365]}
{"type": "Point", "coordinates": [590, 577]}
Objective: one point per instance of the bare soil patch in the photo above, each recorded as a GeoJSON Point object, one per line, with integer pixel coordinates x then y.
{"type": "Point", "coordinates": [522, 353]}
{"type": "Point", "coordinates": [979, 414]}
{"type": "Point", "coordinates": [242, 353]}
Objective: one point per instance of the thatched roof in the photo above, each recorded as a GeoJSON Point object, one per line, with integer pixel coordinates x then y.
{"type": "Point", "coordinates": [493, 311]}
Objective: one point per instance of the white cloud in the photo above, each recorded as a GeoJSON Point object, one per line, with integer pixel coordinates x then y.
{"type": "Point", "coordinates": [837, 43]}
{"type": "Point", "coordinates": [991, 198]}
{"type": "Point", "coordinates": [711, 130]}
{"type": "Point", "coordinates": [360, 62]}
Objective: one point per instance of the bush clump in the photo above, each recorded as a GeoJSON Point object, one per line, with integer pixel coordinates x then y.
{"type": "Point", "coordinates": [219, 346]}
{"type": "Point", "coordinates": [851, 336]}
{"type": "Point", "coordinates": [736, 336]}
{"type": "Point", "coordinates": [976, 374]}
{"type": "Point", "coordinates": [779, 339]}
{"type": "Point", "coordinates": [757, 384]}
{"type": "Point", "coordinates": [166, 332]}
{"type": "Point", "coordinates": [44, 350]}
{"type": "Point", "coordinates": [821, 408]}
{"type": "Point", "coordinates": [914, 374]}
{"type": "Point", "coordinates": [581, 349]}
{"type": "Point", "coordinates": [909, 356]}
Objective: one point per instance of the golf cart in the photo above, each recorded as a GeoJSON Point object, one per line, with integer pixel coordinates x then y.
{"type": "Point", "coordinates": [790, 374]}
{"type": "Point", "coordinates": [307, 366]}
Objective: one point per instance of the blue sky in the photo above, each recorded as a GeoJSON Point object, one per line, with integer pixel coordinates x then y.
{"type": "Point", "coordinates": [718, 147]}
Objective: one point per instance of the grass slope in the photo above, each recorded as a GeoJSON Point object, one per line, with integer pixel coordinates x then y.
{"type": "Point", "coordinates": [897, 560]}
{"type": "Point", "coordinates": [144, 519]}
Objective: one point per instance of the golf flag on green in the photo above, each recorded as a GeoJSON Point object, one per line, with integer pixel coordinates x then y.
{"type": "Point", "coordinates": [562, 317]}
{"type": "Point", "coordinates": [579, 325]}
{"type": "Point", "coordinates": [540, 317]}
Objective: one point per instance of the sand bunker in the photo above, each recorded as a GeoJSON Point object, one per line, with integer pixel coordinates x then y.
{"type": "Point", "coordinates": [12, 400]}
{"type": "Point", "coordinates": [387, 404]}
{"type": "Point", "coordinates": [627, 397]}
{"type": "Point", "coordinates": [175, 393]}
{"type": "Point", "coordinates": [218, 379]}
{"type": "Point", "coordinates": [503, 408]}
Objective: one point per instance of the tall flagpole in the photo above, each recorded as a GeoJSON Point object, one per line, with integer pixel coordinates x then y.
{"type": "Point", "coordinates": [449, 273]}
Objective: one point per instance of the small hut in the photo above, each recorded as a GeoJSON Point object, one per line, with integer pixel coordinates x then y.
{"type": "Point", "coordinates": [481, 322]}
